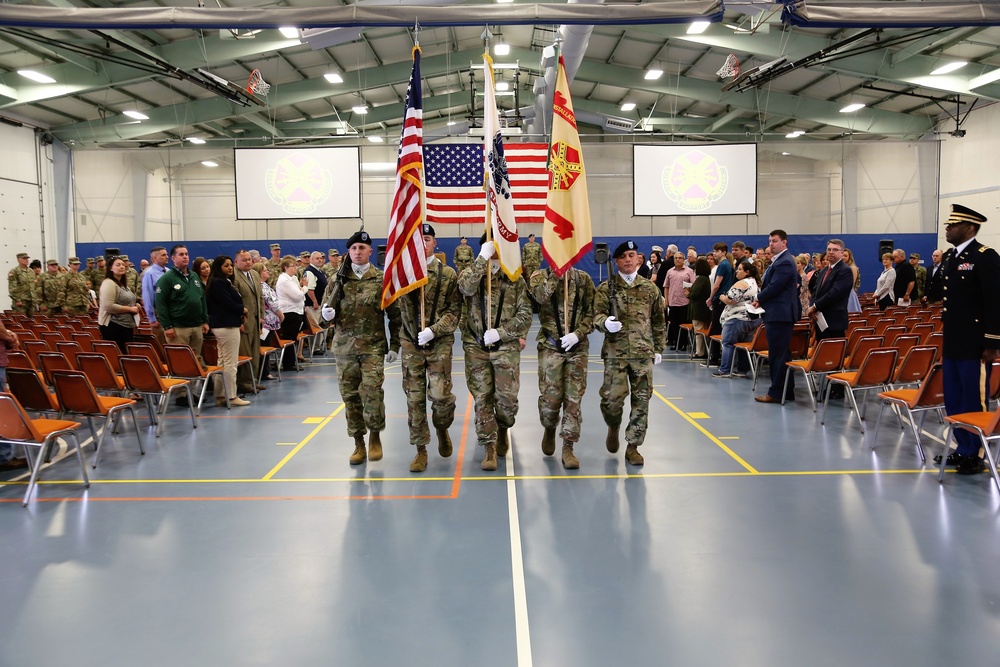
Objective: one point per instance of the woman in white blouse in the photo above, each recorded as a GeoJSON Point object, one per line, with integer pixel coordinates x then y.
{"type": "Point", "coordinates": [886, 281]}
{"type": "Point", "coordinates": [291, 301]}
{"type": "Point", "coordinates": [737, 323]}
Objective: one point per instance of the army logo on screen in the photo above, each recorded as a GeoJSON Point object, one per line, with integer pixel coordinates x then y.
{"type": "Point", "coordinates": [694, 181]}
{"type": "Point", "coordinates": [299, 184]}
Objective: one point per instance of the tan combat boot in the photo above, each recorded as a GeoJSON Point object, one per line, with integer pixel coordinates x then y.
{"type": "Point", "coordinates": [612, 440]}
{"type": "Point", "coordinates": [503, 441]}
{"type": "Point", "coordinates": [569, 460]}
{"type": "Point", "coordinates": [444, 442]}
{"type": "Point", "coordinates": [419, 462]}
{"type": "Point", "coordinates": [549, 441]}
{"type": "Point", "coordinates": [359, 455]}
{"type": "Point", "coordinates": [633, 456]}
{"type": "Point", "coordinates": [490, 458]}
{"type": "Point", "coordinates": [374, 446]}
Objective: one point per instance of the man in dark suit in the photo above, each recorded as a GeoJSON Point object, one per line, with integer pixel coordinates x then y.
{"type": "Point", "coordinates": [779, 297]}
{"type": "Point", "coordinates": [905, 286]}
{"type": "Point", "coordinates": [247, 283]}
{"type": "Point", "coordinates": [833, 288]}
{"type": "Point", "coordinates": [934, 291]}
{"type": "Point", "coordinates": [971, 316]}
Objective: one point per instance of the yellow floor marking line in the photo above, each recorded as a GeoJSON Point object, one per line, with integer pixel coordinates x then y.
{"type": "Point", "coordinates": [305, 441]}
{"type": "Point", "coordinates": [698, 415]}
{"type": "Point", "coordinates": [313, 420]}
{"type": "Point", "coordinates": [707, 434]}
{"type": "Point", "coordinates": [286, 443]}
{"type": "Point", "coordinates": [729, 437]}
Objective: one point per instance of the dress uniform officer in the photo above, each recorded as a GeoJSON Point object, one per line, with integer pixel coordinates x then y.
{"type": "Point", "coordinates": [971, 317]}
{"type": "Point", "coordinates": [629, 309]}
{"type": "Point", "coordinates": [77, 289]}
{"type": "Point", "coordinates": [563, 348]}
{"type": "Point", "coordinates": [21, 286]}
{"type": "Point", "coordinates": [354, 306]}
{"type": "Point", "coordinates": [463, 255]}
{"type": "Point", "coordinates": [51, 290]}
{"type": "Point", "coordinates": [426, 353]}
{"type": "Point", "coordinates": [492, 330]}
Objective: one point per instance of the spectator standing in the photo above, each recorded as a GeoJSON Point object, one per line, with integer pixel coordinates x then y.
{"type": "Point", "coordinates": [738, 324]}
{"type": "Point", "coordinates": [181, 308]}
{"type": "Point", "coordinates": [885, 286]}
{"type": "Point", "coordinates": [247, 282]}
{"type": "Point", "coordinates": [291, 292]}
{"type": "Point", "coordinates": [698, 309]}
{"type": "Point", "coordinates": [118, 311]}
{"type": "Point", "coordinates": [906, 278]}
{"type": "Point", "coordinates": [226, 315]}
{"type": "Point", "coordinates": [157, 267]}
{"type": "Point", "coordinates": [935, 280]}
{"type": "Point", "coordinates": [779, 297]}
{"type": "Point", "coordinates": [77, 289]}
{"type": "Point", "coordinates": [921, 276]}
{"type": "Point", "coordinates": [675, 293]}
{"type": "Point", "coordinates": [724, 279]}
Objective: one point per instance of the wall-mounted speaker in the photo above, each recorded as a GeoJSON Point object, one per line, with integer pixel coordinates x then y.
{"type": "Point", "coordinates": [601, 253]}
{"type": "Point", "coordinates": [885, 246]}
{"type": "Point", "coordinates": [381, 254]}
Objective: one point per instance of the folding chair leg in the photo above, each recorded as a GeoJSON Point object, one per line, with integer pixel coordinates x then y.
{"type": "Point", "coordinates": [194, 418]}
{"type": "Point", "coordinates": [916, 436]}
{"type": "Point", "coordinates": [100, 440]}
{"type": "Point", "coordinates": [854, 404]}
{"type": "Point", "coordinates": [784, 388]}
{"type": "Point", "coordinates": [992, 461]}
{"type": "Point", "coordinates": [944, 454]}
{"type": "Point", "coordinates": [36, 468]}
{"type": "Point", "coordinates": [878, 421]}
{"type": "Point", "coordinates": [79, 458]}
{"type": "Point", "coordinates": [826, 401]}
{"type": "Point", "coordinates": [204, 388]}
{"type": "Point", "coordinates": [135, 425]}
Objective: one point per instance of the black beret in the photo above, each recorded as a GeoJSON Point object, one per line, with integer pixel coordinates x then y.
{"type": "Point", "coordinates": [360, 236]}
{"type": "Point", "coordinates": [482, 239]}
{"type": "Point", "coordinates": [429, 231]}
{"type": "Point", "coordinates": [624, 247]}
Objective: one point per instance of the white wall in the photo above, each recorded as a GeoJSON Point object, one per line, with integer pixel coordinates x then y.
{"type": "Point", "coordinates": [969, 172]}
{"type": "Point", "coordinates": [21, 227]}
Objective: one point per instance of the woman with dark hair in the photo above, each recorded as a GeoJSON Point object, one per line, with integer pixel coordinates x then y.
{"type": "Point", "coordinates": [225, 316]}
{"type": "Point", "coordinates": [202, 268]}
{"type": "Point", "coordinates": [118, 313]}
{"type": "Point", "coordinates": [738, 324]}
{"type": "Point", "coordinates": [701, 316]}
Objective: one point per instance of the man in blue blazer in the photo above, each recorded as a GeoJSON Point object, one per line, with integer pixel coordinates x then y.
{"type": "Point", "coordinates": [833, 289]}
{"type": "Point", "coordinates": [779, 297]}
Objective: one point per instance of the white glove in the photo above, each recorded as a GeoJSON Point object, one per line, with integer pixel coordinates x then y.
{"type": "Point", "coordinates": [328, 313]}
{"type": "Point", "coordinates": [657, 358]}
{"type": "Point", "coordinates": [491, 336]}
{"type": "Point", "coordinates": [425, 336]}
{"type": "Point", "coordinates": [569, 341]}
{"type": "Point", "coordinates": [612, 324]}
{"type": "Point", "coordinates": [488, 250]}
{"type": "Point", "coordinates": [391, 357]}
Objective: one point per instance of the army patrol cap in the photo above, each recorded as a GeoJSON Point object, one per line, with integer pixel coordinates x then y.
{"type": "Point", "coordinates": [304, 254]}
{"type": "Point", "coordinates": [52, 262]}
{"type": "Point", "coordinates": [961, 213]}
{"type": "Point", "coordinates": [23, 255]}
{"type": "Point", "coordinates": [275, 246]}
{"type": "Point", "coordinates": [333, 252]}
{"type": "Point", "coordinates": [428, 231]}
{"type": "Point", "coordinates": [124, 257]}
{"type": "Point", "coordinates": [624, 247]}
{"type": "Point", "coordinates": [74, 260]}
{"type": "Point", "coordinates": [360, 236]}
{"type": "Point", "coordinates": [90, 260]}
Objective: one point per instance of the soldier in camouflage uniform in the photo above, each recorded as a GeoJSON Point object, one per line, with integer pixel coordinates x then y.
{"type": "Point", "coordinates": [492, 342]}
{"type": "Point", "coordinates": [426, 355]}
{"type": "Point", "coordinates": [354, 307]}
{"type": "Point", "coordinates": [51, 290]}
{"type": "Point", "coordinates": [333, 265]}
{"type": "Point", "coordinates": [77, 289]}
{"type": "Point", "coordinates": [562, 355]}
{"type": "Point", "coordinates": [132, 279]}
{"type": "Point", "coordinates": [21, 286]}
{"type": "Point", "coordinates": [921, 274]}
{"type": "Point", "coordinates": [463, 255]}
{"type": "Point", "coordinates": [531, 256]}
{"type": "Point", "coordinates": [274, 264]}
{"type": "Point", "coordinates": [631, 315]}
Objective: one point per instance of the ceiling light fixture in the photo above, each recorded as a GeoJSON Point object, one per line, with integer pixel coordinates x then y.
{"type": "Point", "coordinates": [451, 122]}
{"type": "Point", "coordinates": [503, 85]}
{"type": "Point", "coordinates": [795, 135]}
{"type": "Point", "coordinates": [653, 73]}
{"type": "Point", "coordinates": [376, 139]}
{"type": "Point", "coordinates": [501, 49]}
{"type": "Point", "coordinates": [196, 140]}
{"type": "Point", "coordinates": [289, 32]}
{"type": "Point", "coordinates": [37, 77]}
{"type": "Point", "coordinates": [360, 110]}
{"type": "Point", "coordinates": [984, 79]}
{"type": "Point", "coordinates": [851, 108]}
{"type": "Point", "coordinates": [628, 106]}
{"type": "Point", "coordinates": [948, 68]}
{"type": "Point", "coordinates": [504, 2]}
{"type": "Point", "coordinates": [210, 163]}
{"type": "Point", "coordinates": [333, 77]}
{"type": "Point", "coordinates": [698, 27]}
{"type": "Point", "coordinates": [138, 115]}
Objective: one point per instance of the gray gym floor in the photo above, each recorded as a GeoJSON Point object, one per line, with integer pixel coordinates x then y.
{"type": "Point", "coordinates": [752, 536]}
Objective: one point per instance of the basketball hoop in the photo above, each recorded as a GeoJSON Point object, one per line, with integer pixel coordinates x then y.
{"type": "Point", "coordinates": [730, 68]}
{"type": "Point", "coordinates": [257, 85]}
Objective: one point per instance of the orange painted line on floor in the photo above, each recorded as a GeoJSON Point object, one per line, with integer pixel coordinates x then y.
{"type": "Point", "coordinates": [456, 483]}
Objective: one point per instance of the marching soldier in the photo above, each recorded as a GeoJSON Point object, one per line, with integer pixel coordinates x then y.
{"type": "Point", "coordinates": [463, 255]}
{"type": "Point", "coordinates": [426, 353]}
{"type": "Point", "coordinates": [491, 339]}
{"type": "Point", "coordinates": [562, 355]}
{"type": "Point", "coordinates": [77, 289]}
{"type": "Point", "coordinates": [274, 264]}
{"type": "Point", "coordinates": [531, 256]}
{"type": "Point", "coordinates": [629, 309]}
{"type": "Point", "coordinates": [21, 286]}
{"type": "Point", "coordinates": [51, 290]}
{"type": "Point", "coordinates": [354, 307]}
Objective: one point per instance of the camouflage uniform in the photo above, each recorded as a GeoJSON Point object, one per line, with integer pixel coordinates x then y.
{"type": "Point", "coordinates": [359, 345]}
{"type": "Point", "coordinates": [133, 282]}
{"type": "Point", "coordinates": [77, 293]}
{"type": "Point", "coordinates": [97, 276]}
{"type": "Point", "coordinates": [51, 292]}
{"type": "Point", "coordinates": [562, 376]}
{"type": "Point", "coordinates": [463, 258]}
{"type": "Point", "coordinates": [628, 354]}
{"type": "Point", "coordinates": [531, 257]}
{"type": "Point", "coordinates": [21, 288]}
{"type": "Point", "coordinates": [427, 370]}
{"type": "Point", "coordinates": [918, 289]}
{"type": "Point", "coordinates": [493, 373]}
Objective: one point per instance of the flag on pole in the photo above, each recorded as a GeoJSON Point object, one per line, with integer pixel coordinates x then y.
{"type": "Point", "coordinates": [405, 261]}
{"type": "Point", "coordinates": [498, 181]}
{"type": "Point", "coordinates": [566, 234]}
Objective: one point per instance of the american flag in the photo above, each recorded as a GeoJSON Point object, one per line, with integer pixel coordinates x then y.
{"type": "Point", "coordinates": [455, 192]}
{"type": "Point", "coordinates": [405, 260]}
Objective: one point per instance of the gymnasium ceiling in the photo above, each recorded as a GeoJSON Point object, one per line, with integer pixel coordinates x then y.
{"type": "Point", "coordinates": [102, 72]}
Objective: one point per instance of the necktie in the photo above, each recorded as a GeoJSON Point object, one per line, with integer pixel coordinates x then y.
{"type": "Point", "coordinates": [825, 274]}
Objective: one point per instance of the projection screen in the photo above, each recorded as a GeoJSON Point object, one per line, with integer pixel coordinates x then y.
{"type": "Point", "coordinates": [294, 183]}
{"type": "Point", "coordinates": [694, 180]}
